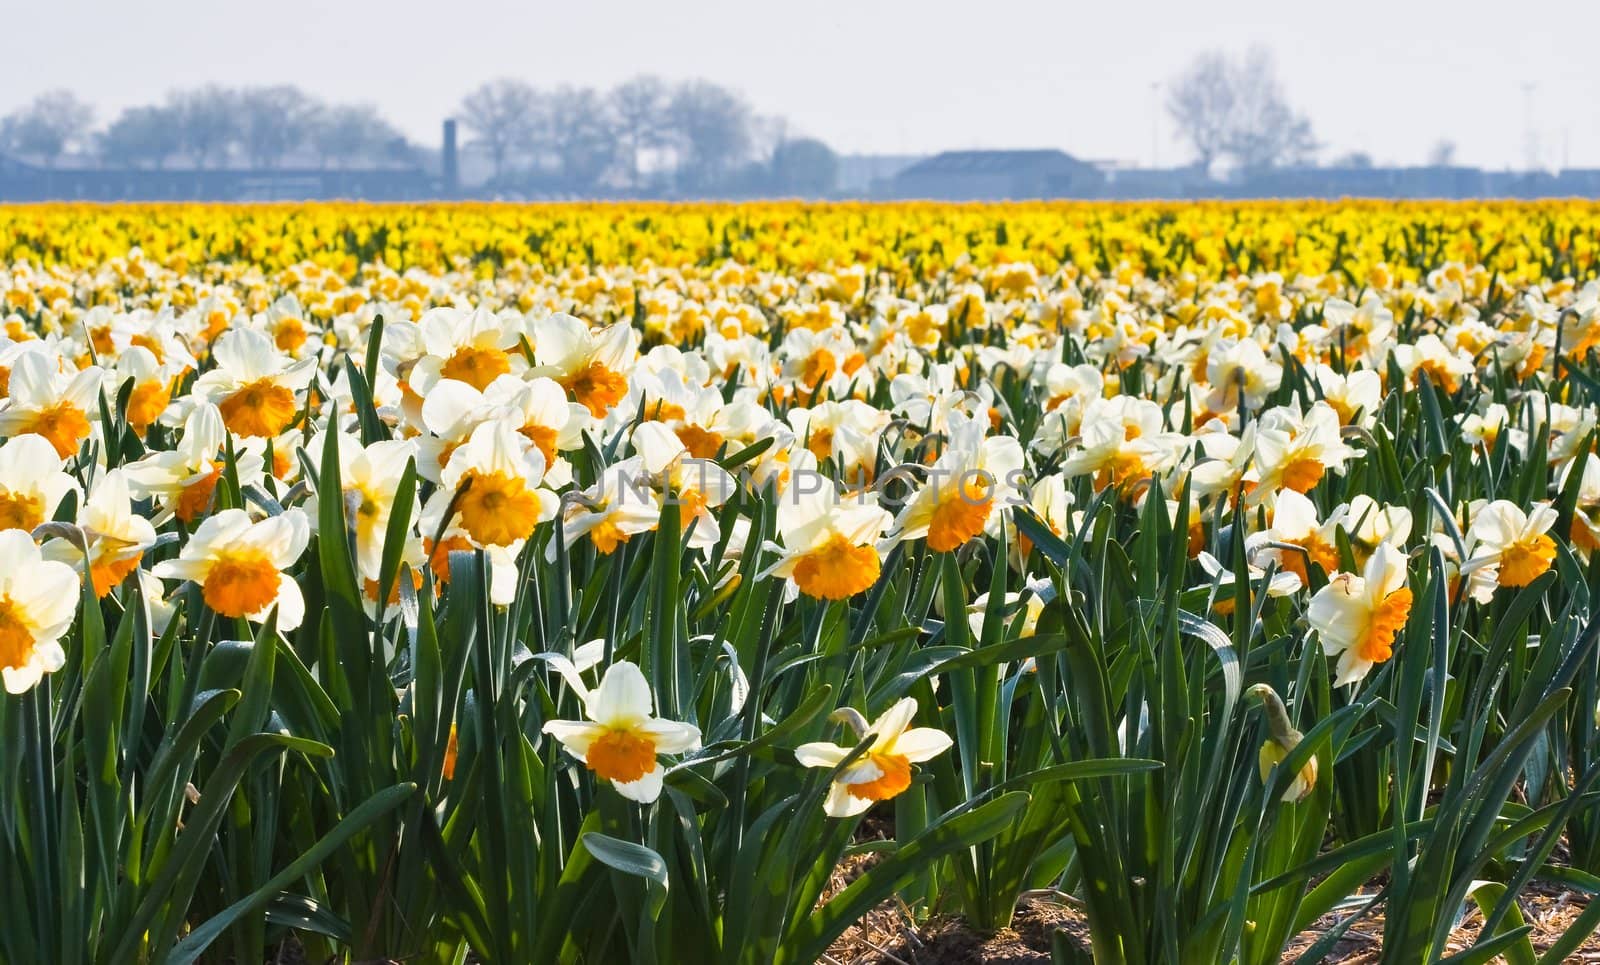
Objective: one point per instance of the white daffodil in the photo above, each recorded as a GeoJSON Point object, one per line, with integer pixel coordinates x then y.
{"type": "Point", "coordinates": [1293, 451]}
{"type": "Point", "coordinates": [622, 739]}
{"type": "Point", "coordinates": [32, 484]}
{"type": "Point", "coordinates": [696, 485]}
{"type": "Point", "coordinates": [473, 347]}
{"type": "Point", "coordinates": [371, 479]}
{"type": "Point", "coordinates": [1122, 442]}
{"type": "Point", "coordinates": [117, 536]}
{"type": "Point", "coordinates": [829, 542]}
{"type": "Point", "coordinates": [968, 485]}
{"type": "Point", "coordinates": [592, 366]}
{"type": "Point", "coordinates": [47, 399]}
{"type": "Point", "coordinates": [184, 478]}
{"type": "Point", "coordinates": [1221, 580]}
{"type": "Point", "coordinates": [239, 565]}
{"type": "Point", "coordinates": [497, 474]}
{"type": "Point", "coordinates": [38, 598]}
{"type": "Point", "coordinates": [254, 385]}
{"type": "Point", "coordinates": [1296, 538]}
{"type": "Point", "coordinates": [1357, 617]}
{"type": "Point", "coordinates": [1514, 542]}
{"type": "Point", "coordinates": [1369, 523]}
{"type": "Point", "coordinates": [885, 769]}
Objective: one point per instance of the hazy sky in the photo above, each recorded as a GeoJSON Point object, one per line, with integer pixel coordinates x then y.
{"type": "Point", "coordinates": [1389, 77]}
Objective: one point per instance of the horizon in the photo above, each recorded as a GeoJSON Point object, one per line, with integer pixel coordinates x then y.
{"type": "Point", "coordinates": [1026, 98]}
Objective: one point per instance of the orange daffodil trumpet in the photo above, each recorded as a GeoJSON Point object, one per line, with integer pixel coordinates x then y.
{"type": "Point", "coordinates": [1358, 617]}
{"type": "Point", "coordinates": [149, 387]}
{"type": "Point", "coordinates": [622, 740]}
{"type": "Point", "coordinates": [239, 563]}
{"type": "Point", "coordinates": [884, 769]}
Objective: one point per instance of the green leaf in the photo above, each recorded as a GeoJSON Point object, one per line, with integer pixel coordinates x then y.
{"type": "Point", "coordinates": [197, 941]}
{"type": "Point", "coordinates": [631, 859]}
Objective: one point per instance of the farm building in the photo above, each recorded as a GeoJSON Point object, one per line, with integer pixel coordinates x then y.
{"type": "Point", "coordinates": [998, 176]}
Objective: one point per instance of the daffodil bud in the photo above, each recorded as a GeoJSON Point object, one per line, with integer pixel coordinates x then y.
{"type": "Point", "coordinates": [1282, 740]}
{"type": "Point", "coordinates": [852, 718]}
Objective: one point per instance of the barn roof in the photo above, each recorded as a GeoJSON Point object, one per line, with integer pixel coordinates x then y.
{"type": "Point", "coordinates": [1047, 160]}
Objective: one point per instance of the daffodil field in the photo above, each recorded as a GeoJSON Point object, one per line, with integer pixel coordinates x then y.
{"type": "Point", "coordinates": [668, 584]}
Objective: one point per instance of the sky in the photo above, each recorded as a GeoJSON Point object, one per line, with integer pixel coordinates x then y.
{"type": "Point", "coordinates": [1390, 78]}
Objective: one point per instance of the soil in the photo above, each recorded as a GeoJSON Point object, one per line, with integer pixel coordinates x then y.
{"type": "Point", "coordinates": [887, 936]}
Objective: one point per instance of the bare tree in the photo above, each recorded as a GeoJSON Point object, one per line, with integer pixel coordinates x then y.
{"type": "Point", "coordinates": [580, 134]}
{"type": "Point", "coordinates": [638, 108]}
{"type": "Point", "coordinates": [276, 121]}
{"type": "Point", "coordinates": [1236, 109]}
{"type": "Point", "coordinates": [503, 115]}
{"type": "Point", "coordinates": [208, 122]}
{"type": "Point", "coordinates": [1265, 130]}
{"type": "Point", "coordinates": [53, 122]}
{"type": "Point", "coordinates": [346, 133]}
{"type": "Point", "coordinates": [1201, 105]}
{"type": "Point", "coordinates": [142, 135]}
{"type": "Point", "coordinates": [710, 126]}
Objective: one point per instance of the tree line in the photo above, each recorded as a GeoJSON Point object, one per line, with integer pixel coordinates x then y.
{"type": "Point", "coordinates": [645, 134]}
{"type": "Point", "coordinates": [206, 127]}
